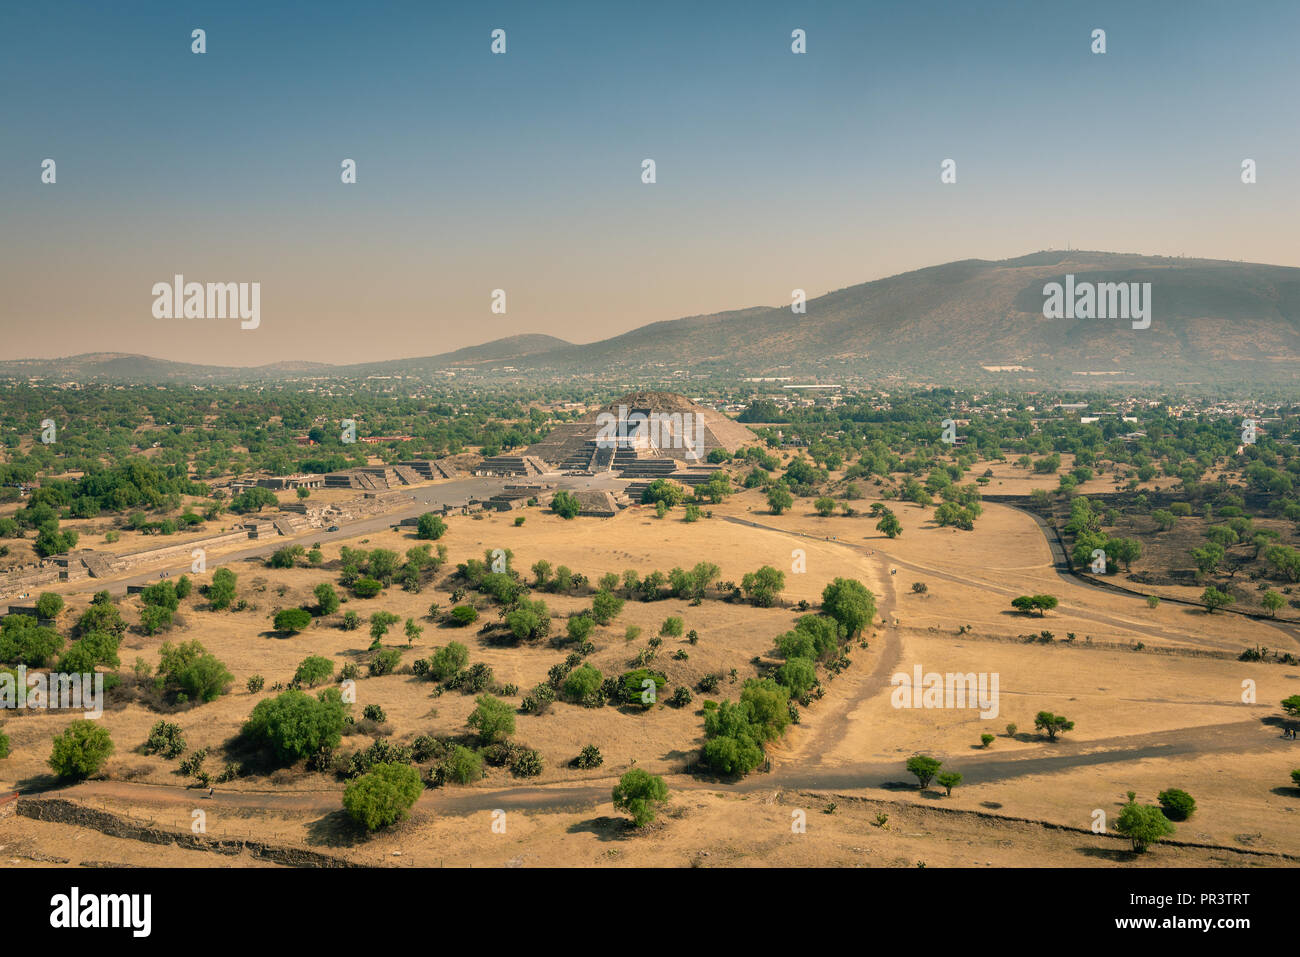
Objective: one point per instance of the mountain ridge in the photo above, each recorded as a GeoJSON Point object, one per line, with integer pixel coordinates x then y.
{"type": "Point", "coordinates": [950, 322]}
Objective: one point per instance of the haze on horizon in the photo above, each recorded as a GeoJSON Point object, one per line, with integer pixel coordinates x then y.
{"type": "Point", "coordinates": [522, 171]}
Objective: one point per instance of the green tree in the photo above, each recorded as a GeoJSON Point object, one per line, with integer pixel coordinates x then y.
{"type": "Point", "coordinates": [294, 725]}
{"type": "Point", "coordinates": [313, 670]}
{"type": "Point", "coordinates": [605, 607]}
{"type": "Point", "coordinates": [640, 793]}
{"type": "Point", "coordinates": [1143, 825]}
{"type": "Point", "coordinates": [1052, 724]}
{"type": "Point", "coordinates": [924, 767]}
{"type": "Point", "coordinates": [462, 765]}
{"type": "Point", "coordinates": [327, 599]}
{"type": "Point", "coordinates": [762, 587]}
{"type": "Point", "coordinates": [948, 780]}
{"type": "Point", "coordinates": [191, 669]}
{"type": "Point", "coordinates": [889, 524]}
{"type": "Point", "coordinates": [850, 603]}
{"type": "Point", "coordinates": [779, 499]}
{"type": "Point", "coordinates": [1212, 598]}
{"type": "Point", "coordinates": [448, 661]}
{"type": "Point", "coordinates": [292, 620]}
{"type": "Point", "coordinates": [582, 683]}
{"type": "Point", "coordinates": [383, 796]}
{"type": "Point", "coordinates": [430, 526]}
{"type": "Point", "coordinates": [222, 590]}
{"type": "Point", "coordinates": [1034, 603]}
{"type": "Point", "coordinates": [80, 750]}
{"type": "Point", "coordinates": [493, 719]}
{"type": "Point", "coordinates": [565, 504]}
{"type": "Point", "coordinates": [49, 605]}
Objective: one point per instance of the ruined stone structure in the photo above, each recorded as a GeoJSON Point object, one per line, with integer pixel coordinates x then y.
{"type": "Point", "coordinates": [378, 478]}
{"type": "Point", "coordinates": [644, 435]}
{"type": "Point", "coordinates": [511, 465]}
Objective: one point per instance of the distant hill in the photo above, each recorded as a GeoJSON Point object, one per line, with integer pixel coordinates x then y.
{"type": "Point", "coordinates": [968, 322]}
{"type": "Point", "coordinates": [1211, 321]}
{"type": "Point", "coordinates": [497, 352]}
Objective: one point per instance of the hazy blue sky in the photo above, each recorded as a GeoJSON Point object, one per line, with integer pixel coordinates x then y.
{"type": "Point", "coordinates": [523, 171]}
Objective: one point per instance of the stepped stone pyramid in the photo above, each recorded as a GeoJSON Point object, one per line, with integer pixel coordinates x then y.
{"type": "Point", "coordinates": [653, 434]}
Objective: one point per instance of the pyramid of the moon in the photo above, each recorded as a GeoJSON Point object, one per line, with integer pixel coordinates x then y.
{"type": "Point", "coordinates": [645, 424]}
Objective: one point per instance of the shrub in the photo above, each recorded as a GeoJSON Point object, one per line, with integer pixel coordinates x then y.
{"type": "Point", "coordinates": [986, 739]}
{"type": "Point", "coordinates": [538, 700]}
{"type": "Point", "coordinates": [672, 627]}
{"type": "Point", "coordinates": [102, 615]}
{"type": "Point", "coordinates": [155, 618]}
{"type": "Point", "coordinates": [191, 670]}
{"type": "Point", "coordinates": [641, 687]}
{"type": "Point", "coordinates": [166, 739]}
{"type": "Point", "coordinates": [477, 677]}
{"type": "Point", "coordinates": [256, 683]}
{"type": "Point", "coordinates": [462, 766]}
{"type": "Point", "coordinates": [732, 754]}
{"type": "Point", "coordinates": [367, 587]}
{"type": "Point", "coordinates": [582, 683]}
{"type": "Point", "coordinates": [385, 662]}
{"type": "Point", "coordinates": [579, 627]}
{"type": "Point", "coordinates": [448, 661]}
{"type": "Point", "coordinates": [351, 621]}
{"type": "Point", "coordinates": [463, 615]}
{"type": "Point", "coordinates": [639, 793]}
{"type": "Point", "coordinates": [384, 796]}
{"type": "Point", "coordinates": [527, 763]}
{"type": "Point", "coordinates": [948, 780]}
{"type": "Point", "coordinates": [1178, 805]}
{"type": "Point", "coordinates": [91, 650]}
{"type": "Point", "coordinates": [292, 620]}
{"type": "Point", "coordinates": [327, 599]}
{"type": "Point", "coordinates": [493, 718]}
{"type": "Point", "coordinates": [80, 750]}
{"type": "Point", "coordinates": [681, 697]}
{"type": "Point", "coordinates": [589, 757]}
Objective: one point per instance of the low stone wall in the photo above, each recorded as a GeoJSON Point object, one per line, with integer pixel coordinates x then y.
{"type": "Point", "coordinates": [121, 563]}
{"type": "Point", "coordinates": [62, 811]}
{"type": "Point", "coordinates": [30, 580]}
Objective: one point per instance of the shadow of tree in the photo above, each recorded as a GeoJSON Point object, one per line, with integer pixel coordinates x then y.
{"type": "Point", "coordinates": [336, 829]}
{"type": "Point", "coordinates": [605, 828]}
{"type": "Point", "coordinates": [1116, 854]}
